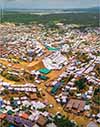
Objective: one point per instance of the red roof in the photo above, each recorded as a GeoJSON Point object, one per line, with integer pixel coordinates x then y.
{"type": "Point", "coordinates": [2, 116]}
{"type": "Point", "coordinates": [24, 115]}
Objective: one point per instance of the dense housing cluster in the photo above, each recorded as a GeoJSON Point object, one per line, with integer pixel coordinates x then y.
{"type": "Point", "coordinates": [49, 77]}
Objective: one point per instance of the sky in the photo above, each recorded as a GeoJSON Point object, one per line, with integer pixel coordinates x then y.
{"type": "Point", "coordinates": [49, 4]}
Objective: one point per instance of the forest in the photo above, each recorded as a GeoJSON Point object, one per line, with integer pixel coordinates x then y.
{"type": "Point", "coordinates": [87, 19]}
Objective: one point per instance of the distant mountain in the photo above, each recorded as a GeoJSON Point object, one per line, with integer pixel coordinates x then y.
{"type": "Point", "coordinates": [92, 9]}
{"type": "Point", "coordinates": [72, 10]}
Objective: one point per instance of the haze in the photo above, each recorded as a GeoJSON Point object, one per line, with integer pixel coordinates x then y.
{"type": "Point", "coordinates": [48, 4]}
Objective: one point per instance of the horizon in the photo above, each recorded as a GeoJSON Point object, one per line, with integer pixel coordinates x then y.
{"type": "Point", "coordinates": [51, 8]}
{"type": "Point", "coordinates": [48, 4]}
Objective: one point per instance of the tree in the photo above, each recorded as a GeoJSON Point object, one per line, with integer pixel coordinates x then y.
{"type": "Point", "coordinates": [97, 90]}
{"type": "Point", "coordinates": [96, 96]}
{"type": "Point", "coordinates": [97, 99]}
{"type": "Point", "coordinates": [3, 4]}
{"type": "Point", "coordinates": [6, 91]}
{"type": "Point", "coordinates": [80, 83]}
{"type": "Point", "coordinates": [61, 121]}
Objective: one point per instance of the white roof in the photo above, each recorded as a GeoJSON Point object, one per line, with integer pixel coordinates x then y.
{"type": "Point", "coordinates": [26, 102]}
{"type": "Point", "coordinates": [51, 125]}
{"type": "Point", "coordinates": [87, 107]}
{"type": "Point", "coordinates": [38, 105]}
{"type": "Point", "coordinates": [92, 124]}
{"type": "Point", "coordinates": [54, 61]}
{"type": "Point", "coordinates": [98, 120]}
{"type": "Point", "coordinates": [8, 108]}
{"type": "Point", "coordinates": [98, 115]}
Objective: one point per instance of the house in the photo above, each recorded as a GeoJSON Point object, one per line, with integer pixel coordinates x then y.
{"type": "Point", "coordinates": [2, 116]}
{"type": "Point", "coordinates": [42, 120]}
{"type": "Point", "coordinates": [56, 87]}
{"type": "Point", "coordinates": [24, 115]}
{"type": "Point", "coordinates": [44, 70]}
{"type": "Point", "coordinates": [98, 115]}
{"type": "Point", "coordinates": [51, 125]}
{"type": "Point", "coordinates": [75, 106]}
{"type": "Point", "coordinates": [33, 96]}
{"type": "Point", "coordinates": [54, 61]}
{"type": "Point", "coordinates": [36, 125]}
{"type": "Point", "coordinates": [92, 124]}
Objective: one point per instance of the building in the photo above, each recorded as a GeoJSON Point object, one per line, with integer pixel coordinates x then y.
{"type": "Point", "coordinates": [42, 120]}
{"type": "Point", "coordinates": [75, 106]}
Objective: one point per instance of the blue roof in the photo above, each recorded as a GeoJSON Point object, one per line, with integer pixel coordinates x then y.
{"type": "Point", "coordinates": [58, 84]}
{"type": "Point", "coordinates": [11, 125]}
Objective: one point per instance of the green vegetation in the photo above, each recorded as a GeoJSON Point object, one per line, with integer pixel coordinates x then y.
{"type": "Point", "coordinates": [61, 121]}
{"type": "Point", "coordinates": [67, 79]}
{"type": "Point", "coordinates": [6, 91]}
{"type": "Point", "coordinates": [28, 76]}
{"type": "Point", "coordinates": [10, 76]}
{"type": "Point", "coordinates": [97, 91]}
{"type": "Point", "coordinates": [16, 76]}
{"type": "Point", "coordinates": [4, 123]}
{"type": "Point", "coordinates": [96, 97]}
{"type": "Point", "coordinates": [51, 19]}
{"type": "Point", "coordinates": [97, 69]}
{"type": "Point", "coordinates": [98, 53]}
{"type": "Point", "coordinates": [83, 57]}
{"type": "Point", "coordinates": [81, 83]}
